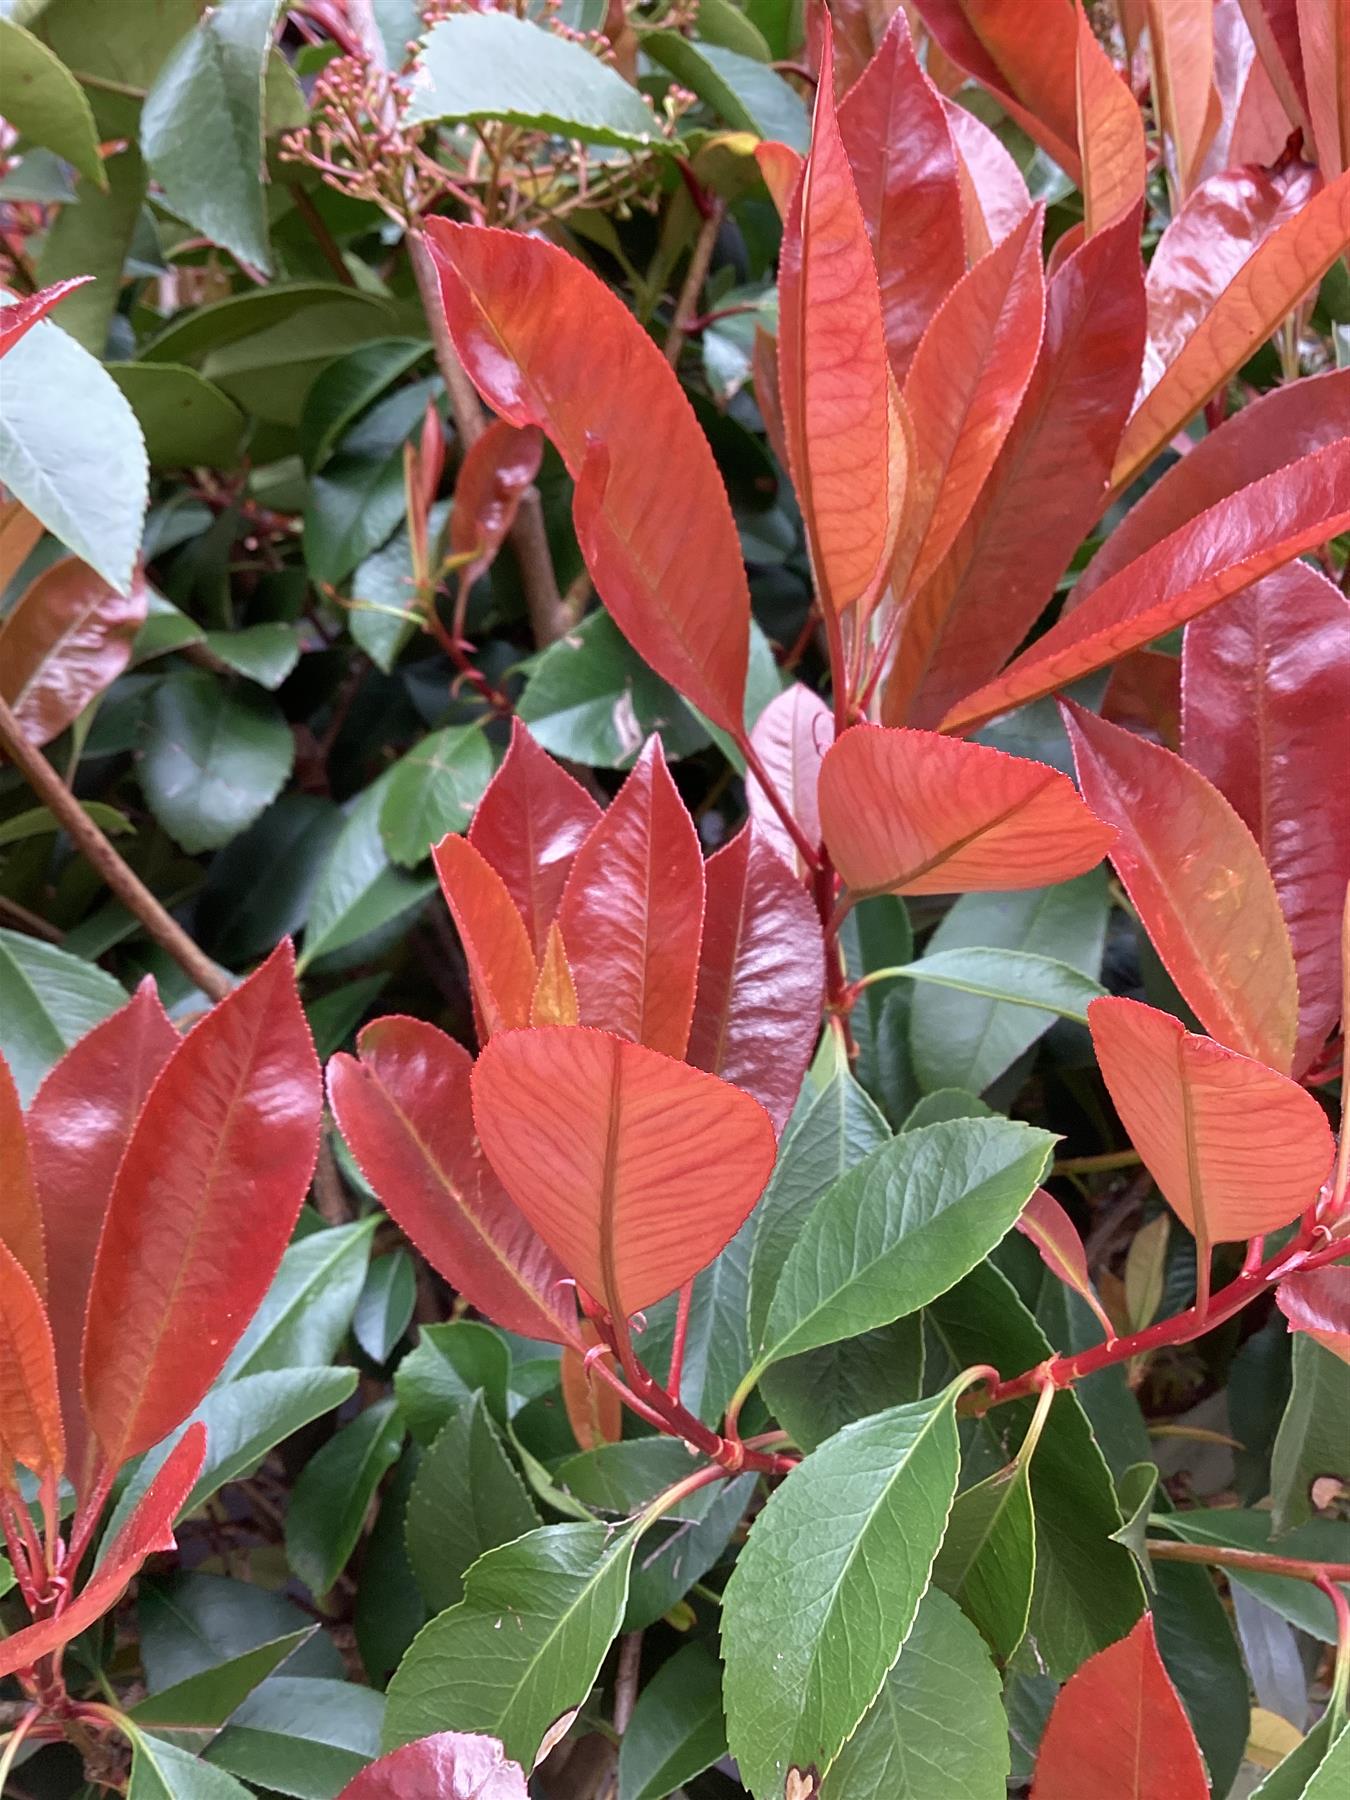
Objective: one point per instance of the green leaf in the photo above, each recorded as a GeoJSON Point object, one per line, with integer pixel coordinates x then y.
{"type": "Point", "coordinates": [301, 1736]}
{"type": "Point", "coordinates": [591, 699]}
{"type": "Point", "coordinates": [190, 1624]}
{"type": "Point", "coordinates": [201, 1703]}
{"type": "Point", "coordinates": [716, 1344]}
{"type": "Point", "coordinates": [333, 1017]}
{"type": "Point", "coordinates": [812, 1396]}
{"type": "Point", "coordinates": [448, 1366]}
{"type": "Point", "coordinates": [1135, 1490]}
{"type": "Point", "coordinates": [44, 103]}
{"type": "Point", "coordinates": [202, 127]}
{"type": "Point", "coordinates": [742, 90]}
{"type": "Point", "coordinates": [382, 595]}
{"type": "Point", "coordinates": [1315, 1770]}
{"type": "Point", "coordinates": [126, 46]}
{"type": "Point", "coordinates": [266, 653]}
{"type": "Point", "coordinates": [303, 1320]}
{"type": "Point", "coordinates": [945, 1104]}
{"type": "Point", "coordinates": [902, 1228]}
{"type": "Point", "coordinates": [48, 1000]}
{"type": "Point", "coordinates": [434, 790]}
{"type": "Point", "coordinates": [328, 1505]}
{"type": "Point", "coordinates": [214, 757]}
{"type": "Point", "coordinates": [259, 888]}
{"type": "Point", "coordinates": [479, 66]}
{"type": "Point", "coordinates": [1011, 977]}
{"type": "Point", "coordinates": [162, 1771]}
{"type": "Point", "coordinates": [466, 1498]}
{"type": "Point", "coordinates": [682, 1547]}
{"type": "Point", "coordinates": [677, 1729]}
{"type": "Point", "coordinates": [185, 418]}
{"type": "Point", "coordinates": [966, 1040]}
{"type": "Point", "coordinates": [389, 1610]}
{"type": "Point", "coordinates": [71, 450]}
{"type": "Point", "coordinates": [621, 1478]}
{"type": "Point", "coordinates": [354, 504]}
{"type": "Point", "coordinates": [347, 387]}
{"type": "Point", "coordinates": [38, 822]}
{"type": "Point", "coordinates": [987, 1562]}
{"type": "Point", "coordinates": [1201, 1654]}
{"type": "Point", "coordinates": [1312, 1439]}
{"type": "Point", "coordinates": [722, 22]}
{"type": "Point", "coordinates": [385, 1307]}
{"type": "Point", "coordinates": [524, 1645]}
{"type": "Point", "coordinates": [207, 331]}
{"type": "Point", "coordinates": [359, 891]}
{"type": "Point", "coordinates": [827, 1587]}
{"type": "Point", "coordinates": [937, 1729]}
{"type": "Point", "coordinates": [1249, 1528]}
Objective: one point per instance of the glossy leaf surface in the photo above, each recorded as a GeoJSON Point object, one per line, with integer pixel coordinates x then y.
{"type": "Point", "coordinates": [994, 195]}
{"type": "Point", "coordinates": [790, 737]}
{"type": "Point", "coordinates": [22, 315]}
{"type": "Point", "coordinates": [1110, 136]}
{"type": "Point", "coordinates": [1318, 1302]}
{"type": "Point", "coordinates": [1054, 1234]}
{"type": "Point", "coordinates": [21, 1222]}
{"type": "Point", "coordinates": [1181, 56]}
{"type": "Point", "coordinates": [497, 469]}
{"type": "Point", "coordinates": [67, 639]}
{"type": "Point", "coordinates": [501, 962]}
{"type": "Point", "coordinates": [31, 1432]}
{"type": "Point", "coordinates": [453, 1765]}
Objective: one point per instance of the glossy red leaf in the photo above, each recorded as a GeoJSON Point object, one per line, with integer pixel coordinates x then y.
{"type": "Point", "coordinates": [548, 344]}
{"type": "Point", "coordinates": [1118, 1728]}
{"type": "Point", "coordinates": [1266, 693]}
{"type": "Point", "coordinates": [150, 1528]}
{"type": "Point", "coordinates": [761, 977]}
{"type": "Point", "coordinates": [20, 1215]}
{"type": "Point", "coordinates": [202, 1207]}
{"type": "Point", "coordinates": [1111, 134]}
{"type": "Point", "coordinates": [1000, 573]}
{"type": "Point", "coordinates": [1324, 39]}
{"type": "Point", "coordinates": [1285, 264]}
{"type": "Point", "coordinates": [30, 1407]}
{"type": "Point", "coordinates": [1144, 694]}
{"type": "Point", "coordinates": [1255, 126]}
{"type": "Point", "coordinates": [501, 962]}
{"type": "Point", "coordinates": [1052, 1231]}
{"type": "Point", "coordinates": [846, 446]}
{"type": "Point", "coordinates": [21, 315]}
{"type": "Point", "coordinates": [529, 825]}
{"type": "Point", "coordinates": [78, 1127]}
{"type": "Point", "coordinates": [404, 1109]}
{"type": "Point", "coordinates": [1318, 1301]}
{"type": "Point", "coordinates": [66, 640]}
{"type": "Point", "coordinates": [962, 393]}
{"type": "Point", "coordinates": [1025, 55]}
{"type": "Point", "coordinates": [899, 145]}
{"type": "Point", "coordinates": [497, 470]}
{"type": "Point", "coordinates": [1198, 882]}
{"type": "Point", "coordinates": [632, 912]}
{"type": "Point", "coordinates": [1181, 52]}
{"type": "Point", "coordinates": [1236, 1148]}
{"type": "Point", "coordinates": [554, 1000]}
{"type": "Point", "coordinates": [994, 197]}
{"type": "Point", "coordinates": [790, 738]}
{"type": "Point", "coordinates": [634, 1168]}
{"type": "Point", "coordinates": [452, 1765]}
{"type": "Point", "coordinates": [1218, 553]}
{"type": "Point", "coordinates": [910, 812]}
{"type": "Point", "coordinates": [1274, 28]}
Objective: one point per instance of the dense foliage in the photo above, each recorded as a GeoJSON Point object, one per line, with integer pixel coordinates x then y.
{"type": "Point", "coordinates": [815, 1267]}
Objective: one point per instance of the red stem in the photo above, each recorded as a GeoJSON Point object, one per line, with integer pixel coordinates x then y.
{"type": "Point", "coordinates": [678, 1341]}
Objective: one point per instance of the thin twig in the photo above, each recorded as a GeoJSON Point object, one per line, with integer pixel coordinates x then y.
{"type": "Point", "coordinates": [323, 237]}
{"type": "Point", "coordinates": [686, 307]}
{"type": "Point", "coordinates": [626, 1679]}
{"type": "Point", "coordinates": [31, 922]}
{"type": "Point", "coordinates": [1252, 1562]}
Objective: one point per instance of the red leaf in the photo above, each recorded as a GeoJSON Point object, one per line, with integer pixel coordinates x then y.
{"type": "Point", "coordinates": [994, 197]}
{"type": "Point", "coordinates": [150, 1528]}
{"type": "Point", "coordinates": [846, 446]}
{"type": "Point", "coordinates": [1025, 55]}
{"type": "Point", "coordinates": [1181, 52]}
{"type": "Point", "coordinates": [790, 737]}
{"type": "Point", "coordinates": [67, 639]}
{"type": "Point", "coordinates": [909, 812]}
{"type": "Point", "coordinates": [962, 393]}
{"type": "Point", "coordinates": [202, 1208]}
{"type": "Point", "coordinates": [594, 1409]}
{"type": "Point", "coordinates": [20, 1216]}
{"type": "Point", "coordinates": [1118, 1728]}
{"type": "Point", "coordinates": [1052, 1231]}
{"type": "Point", "coordinates": [529, 825]}
{"type": "Point", "coordinates": [1111, 133]}
{"type": "Point", "coordinates": [30, 1409]}
{"type": "Point", "coordinates": [554, 1000]}
{"type": "Point", "coordinates": [22, 315]}
{"type": "Point", "coordinates": [1144, 694]}
{"type": "Point", "coordinates": [1001, 571]}
{"type": "Point", "coordinates": [405, 1111]}
{"type": "Point", "coordinates": [497, 470]}
{"type": "Point", "coordinates": [1266, 690]}
{"type": "Point", "coordinates": [452, 1765]}
{"type": "Point", "coordinates": [1224, 550]}
{"type": "Point", "coordinates": [635, 1169]}
{"type": "Point", "coordinates": [19, 535]}
{"type": "Point", "coordinates": [547, 343]}
{"type": "Point", "coordinates": [1274, 27]}
{"type": "Point", "coordinates": [1324, 38]}
{"type": "Point", "coordinates": [1283, 266]}
{"type": "Point", "coordinates": [1236, 1149]}
{"type": "Point", "coordinates": [1196, 878]}
{"type": "Point", "coordinates": [761, 978]}
{"type": "Point", "coordinates": [78, 1127]}
{"type": "Point", "coordinates": [894, 128]}
{"type": "Point", "coordinates": [501, 963]}
{"type": "Point", "coordinates": [632, 912]}
{"type": "Point", "coordinates": [1318, 1301]}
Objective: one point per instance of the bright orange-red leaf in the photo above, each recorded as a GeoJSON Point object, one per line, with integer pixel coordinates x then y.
{"type": "Point", "coordinates": [761, 976]}
{"type": "Point", "coordinates": [497, 470]}
{"type": "Point", "coordinates": [20, 1215]}
{"type": "Point", "coordinates": [1052, 1231]}
{"type": "Point", "coordinates": [202, 1207]}
{"type": "Point", "coordinates": [1118, 1728]}
{"type": "Point", "coordinates": [501, 963]}
{"type": "Point", "coordinates": [19, 533]}
{"type": "Point", "coordinates": [452, 1765]}
{"type": "Point", "coordinates": [1324, 38]}
{"type": "Point", "coordinates": [790, 738]}
{"type": "Point", "coordinates": [1318, 1301]}
{"type": "Point", "coordinates": [910, 812]}
{"type": "Point", "coordinates": [632, 912]}
{"type": "Point", "coordinates": [1222, 551]}
{"type": "Point", "coordinates": [768, 395]}
{"type": "Point", "coordinates": [554, 1001]}
{"type": "Point", "coordinates": [634, 1168]}
{"type": "Point", "coordinates": [846, 444]}
{"type": "Point", "coordinates": [20, 317]}
{"type": "Point", "coordinates": [1181, 51]}
{"type": "Point", "coordinates": [405, 1111]}
{"type": "Point", "coordinates": [150, 1528]}
{"type": "Point", "coordinates": [1111, 133]}
{"type": "Point", "coordinates": [1284, 265]}
{"type": "Point", "coordinates": [594, 1409]}
{"type": "Point", "coordinates": [994, 197]}
{"type": "Point", "coordinates": [1198, 882]}
{"type": "Point", "coordinates": [68, 638]}
{"type": "Point", "coordinates": [1236, 1148]}
{"type": "Point", "coordinates": [548, 344]}
{"type": "Point", "coordinates": [1266, 693]}
{"type": "Point", "coordinates": [781, 167]}
{"type": "Point", "coordinates": [894, 128]}
{"type": "Point", "coordinates": [30, 1409]}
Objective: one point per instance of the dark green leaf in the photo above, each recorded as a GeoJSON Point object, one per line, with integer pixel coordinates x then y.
{"type": "Point", "coordinates": [1135, 1490]}
{"type": "Point", "coordinates": [258, 889]}
{"type": "Point", "coordinates": [987, 1562]}
{"type": "Point", "coordinates": [434, 790]}
{"type": "Point", "coordinates": [201, 1703]}
{"type": "Point", "coordinates": [302, 1737]}
{"type": "Point", "coordinates": [389, 1609]}
{"type": "Point", "coordinates": [44, 103]}
{"type": "Point", "coordinates": [1312, 1440]}
{"type": "Point", "coordinates": [449, 1365]}
{"type": "Point", "coordinates": [1200, 1651]}
{"type": "Point", "coordinates": [214, 757]}
{"type": "Point", "coordinates": [677, 1729]}
{"type": "Point", "coordinates": [945, 1104]}
{"type": "Point", "coordinates": [336, 1486]}
{"type": "Point", "coordinates": [382, 594]}
{"type": "Point", "coordinates": [347, 387]}
{"type": "Point", "coordinates": [93, 236]}
{"type": "Point", "coordinates": [309, 1305]}
{"type": "Point", "coordinates": [162, 1771]}
{"type": "Point", "coordinates": [743, 91]}
{"type": "Point", "coordinates": [266, 653]}
{"type": "Point", "coordinates": [717, 1345]}
{"type": "Point", "coordinates": [191, 1623]}
{"type": "Point", "coordinates": [814, 1395]}
{"type": "Point", "coordinates": [385, 1308]}
{"type": "Point", "coordinates": [185, 418]}
{"type": "Point", "coordinates": [48, 999]}
{"type": "Point", "coordinates": [359, 891]}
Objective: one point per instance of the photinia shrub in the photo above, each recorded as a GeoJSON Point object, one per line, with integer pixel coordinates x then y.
{"type": "Point", "coordinates": [763, 590]}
